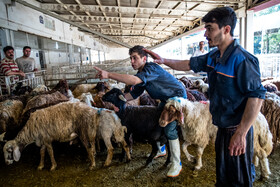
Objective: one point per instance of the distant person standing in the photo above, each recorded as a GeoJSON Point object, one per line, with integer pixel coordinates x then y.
{"type": "Point", "coordinates": [201, 50]}
{"type": "Point", "coordinates": [26, 63]}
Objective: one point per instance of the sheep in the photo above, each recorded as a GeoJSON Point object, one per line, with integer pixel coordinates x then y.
{"type": "Point", "coordinates": [39, 89]}
{"type": "Point", "coordinates": [110, 126]}
{"type": "Point", "coordinates": [263, 145]}
{"type": "Point", "coordinates": [271, 110]}
{"type": "Point", "coordinates": [10, 112]}
{"type": "Point", "coordinates": [86, 98]}
{"type": "Point", "coordinates": [83, 88]}
{"type": "Point", "coordinates": [197, 95]}
{"type": "Point", "coordinates": [20, 89]}
{"type": "Point", "coordinates": [270, 87]}
{"type": "Point", "coordinates": [145, 99]}
{"type": "Point", "coordinates": [197, 128]}
{"type": "Point", "coordinates": [141, 122]}
{"type": "Point", "coordinates": [186, 82]}
{"type": "Point", "coordinates": [272, 96]}
{"type": "Point", "coordinates": [37, 102]}
{"type": "Point", "coordinates": [99, 103]}
{"type": "Point", "coordinates": [61, 122]}
{"type": "Point", "coordinates": [203, 87]}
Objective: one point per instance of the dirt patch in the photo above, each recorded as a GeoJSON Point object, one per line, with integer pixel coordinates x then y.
{"type": "Point", "coordinates": [73, 169]}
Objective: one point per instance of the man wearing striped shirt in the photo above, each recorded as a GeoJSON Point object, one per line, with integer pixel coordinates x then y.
{"type": "Point", "coordinates": [8, 66]}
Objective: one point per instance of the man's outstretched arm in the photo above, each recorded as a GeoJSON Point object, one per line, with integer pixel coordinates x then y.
{"type": "Point", "coordinates": [182, 65]}
{"type": "Point", "coordinates": [127, 79]}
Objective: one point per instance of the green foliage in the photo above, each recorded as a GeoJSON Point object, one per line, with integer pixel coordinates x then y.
{"type": "Point", "coordinates": [269, 10]}
{"type": "Point", "coordinates": [271, 42]}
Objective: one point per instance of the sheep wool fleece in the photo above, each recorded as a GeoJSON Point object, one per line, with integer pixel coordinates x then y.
{"type": "Point", "coordinates": [233, 78]}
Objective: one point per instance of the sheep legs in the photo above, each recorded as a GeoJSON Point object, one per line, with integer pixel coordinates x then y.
{"type": "Point", "coordinates": [110, 149]}
{"type": "Point", "coordinates": [264, 165]}
{"type": "Point", "coordinates": [126, 148]}
{"type": "Point", "coordinates": [153, 153]}
{"type": "Point", "coordinates": [42, 153]}
{"type": "Point", "coordinates": [185, 150]}
{"type": "Point", "coordinates": [50, 151]}
{"type": "Point", "coordinates": [90, 147]}
{"type": "Point", "coordinates": [199, 158]}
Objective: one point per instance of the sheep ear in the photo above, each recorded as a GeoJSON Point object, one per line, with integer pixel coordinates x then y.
{"type": "Point", "coordinates": [180, 117]}
{"type": "Point", "coordinates": [121, 97]}
{"type": "Point", "coordinates": [16, 154]}
{"type": "Point", "coordinates": [2, 136]}
{"type": "Point", "coordinates": [124, 129]}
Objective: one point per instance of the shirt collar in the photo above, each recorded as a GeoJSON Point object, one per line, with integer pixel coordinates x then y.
{"type": "Point", "coordinates": [227, 53]}
{"type": "Point", "coordinates": [9, 60]}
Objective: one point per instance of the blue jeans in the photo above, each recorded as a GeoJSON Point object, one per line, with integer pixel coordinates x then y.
{"type": "Point", "coordinates": [170, 130]}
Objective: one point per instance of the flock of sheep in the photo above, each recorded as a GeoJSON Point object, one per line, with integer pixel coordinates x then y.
{"type": "Point", "coordinates": [42, 116]}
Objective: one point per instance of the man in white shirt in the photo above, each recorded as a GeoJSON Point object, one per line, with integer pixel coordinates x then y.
{"type": "Point", "coordinates": [26, 63]}
{"type": "Point", "coordinates": [201, 50]}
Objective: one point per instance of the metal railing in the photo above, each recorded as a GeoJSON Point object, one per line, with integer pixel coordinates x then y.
{"type": "Point", "coordinates": [269, 65]}
{"type": "Point", "coordinates": [7, 83]}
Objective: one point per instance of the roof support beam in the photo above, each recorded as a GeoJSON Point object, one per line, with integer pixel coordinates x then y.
{"type": "Point", "coordinates": [72, 23]}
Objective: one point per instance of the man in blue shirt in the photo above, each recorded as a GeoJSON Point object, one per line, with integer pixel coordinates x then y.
{"type": "Point", "coordinates": [235, 94]}
{"type": "Point", "coordinates": [160, 85]}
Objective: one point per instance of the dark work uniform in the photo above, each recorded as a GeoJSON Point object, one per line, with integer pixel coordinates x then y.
{"type": "Point", "coordinates": [160, 85]}
{"type": "Point", "coordinates": [232, 80]}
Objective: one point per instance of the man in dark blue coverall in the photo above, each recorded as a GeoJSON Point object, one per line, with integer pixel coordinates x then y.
{"type": "Point", "coordinates": [160, 85]}
{"type": "Point", "coordinates": [235, 94]}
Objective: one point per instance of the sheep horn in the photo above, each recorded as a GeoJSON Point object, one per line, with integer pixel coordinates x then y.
{"type": "Point", "coordinates": [122, 98]}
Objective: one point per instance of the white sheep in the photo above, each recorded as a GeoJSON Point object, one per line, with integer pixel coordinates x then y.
{"type": "Point", "coordinates": [201, 85]}
{"type": "Point", "coordinates": [110, 127]}
{"type": "Point", "coordinates": [61, 122]}
{"type": "Point", "coordinates": [39, 89]}
{"type": "Point", "coordinates": [197, 129]}
{"type": "Point", "coordinates": [86, 98]}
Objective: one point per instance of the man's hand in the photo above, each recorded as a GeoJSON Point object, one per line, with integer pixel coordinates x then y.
{"type": "Point", "coordinates": [101, 74]}
{"type": "Point", "coordinates": [21, 74]}
{"type": "Point", "coordinates": [237, 145]}
{"type": "Point", "coordinates": [156, 57]}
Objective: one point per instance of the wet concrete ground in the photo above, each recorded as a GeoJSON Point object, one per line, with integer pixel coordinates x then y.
{"type": "Point", "coordinates": [73, 169]}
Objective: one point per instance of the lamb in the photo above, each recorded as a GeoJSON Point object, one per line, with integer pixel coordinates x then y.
{"type": "Point", "coordinates": [110, 126]}
{"type": "Point", "coordinates": [61, 122]}
{"type": "Point", "coordinates": [197, 128]}
{"type": "Point", "coordinates": [140, 121]}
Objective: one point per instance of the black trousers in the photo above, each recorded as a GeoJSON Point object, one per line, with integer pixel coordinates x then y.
{"type": "Point", "coordinates": [235, 171]}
